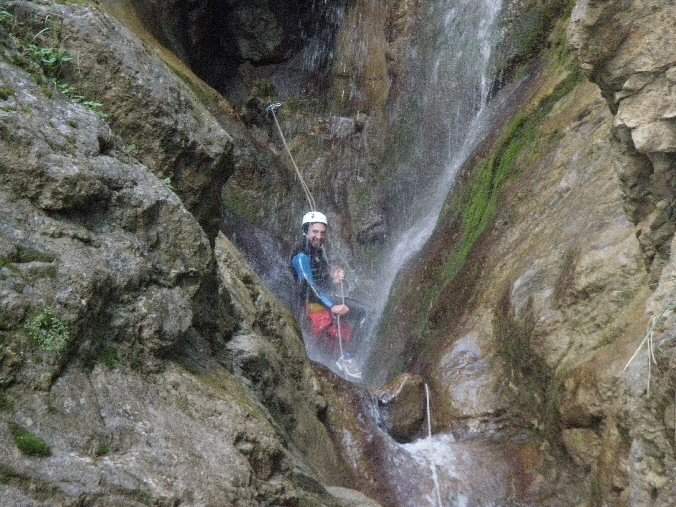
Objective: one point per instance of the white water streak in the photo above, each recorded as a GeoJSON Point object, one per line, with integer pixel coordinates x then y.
{"type": "Point", "coordinates": [476, 22]}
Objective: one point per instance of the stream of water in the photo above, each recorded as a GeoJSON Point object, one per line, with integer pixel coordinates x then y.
{"type": "Point", "coordinates": [457, 116]}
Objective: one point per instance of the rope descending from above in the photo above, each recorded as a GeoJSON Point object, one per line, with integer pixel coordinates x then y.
{"type": "Point", "coordinates": [433, 465]}
{"type": "Point", "coordinates": [308, 195]}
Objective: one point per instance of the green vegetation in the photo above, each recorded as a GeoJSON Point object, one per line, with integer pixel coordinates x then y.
{"type": "Point", "coordinates": [476, 208]}
{"type": "Point", "coordinates": [6, 92]}
{"type": "Point", "coordinates": [469, 215]}
{"type": "Point", "coordinates": [49, 58]}
{"type": "Point", "coordinates": [49, 332]}
{"type": "Point", "coordinates": [6, 16]}
{"type": "Point", "coordinates": [109, 357]}
{"type": "Point", "coordinates": [167, 183]}
{"type": "Point", "coordinates": [535, 25]}
{"type": "Point", "coordinates": [26, 254]}
{"type": "Point", "coordinates": [70, 92]}
{"type": "Point", "coordinates": [235, 201]}
{"type": "Point", "coordinates": [130, 150]}
{"type": "Point", "coordinates": [29, 444]}
{"type": "Point", "coordinates": [96, 108]}
{"type": "Point", "coordinates": [103, 451]}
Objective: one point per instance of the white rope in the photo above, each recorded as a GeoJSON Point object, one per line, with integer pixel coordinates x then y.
{"type": "Point", "coordinates": [429, 435]}
{"type": "Point", "coordinates": [648, 340]}
{"type": "Point", "coordinates": [306, 189]}
{"type": "Point", "coordinates": [340, 333]}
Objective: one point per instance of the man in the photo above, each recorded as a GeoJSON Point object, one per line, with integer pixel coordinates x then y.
{"type": "Point", "coordinates": [311, 270]}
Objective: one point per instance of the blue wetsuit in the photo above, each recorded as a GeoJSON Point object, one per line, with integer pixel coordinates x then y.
{"type": "Point", "coordinates": [310, 268]}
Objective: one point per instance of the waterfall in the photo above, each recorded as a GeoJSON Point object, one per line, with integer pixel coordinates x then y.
{"type": "Point", "coordinates": [456, 117]}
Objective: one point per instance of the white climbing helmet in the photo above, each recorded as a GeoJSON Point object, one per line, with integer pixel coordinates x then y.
{"type": "Point", "coordinates": [313, 217]}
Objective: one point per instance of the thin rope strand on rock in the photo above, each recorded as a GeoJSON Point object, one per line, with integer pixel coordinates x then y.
{"type": "Point", "coordinates": [306, 189]}
{"type": "Point", "coordinates": [429, 435]}
{"type": "Point", "coordinates": [340, 333]}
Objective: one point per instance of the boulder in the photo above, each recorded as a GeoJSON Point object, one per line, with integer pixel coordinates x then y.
{"type": "Point", "coordinates": [401, 405]}
{"type": "Point", "coordinates": [267, 350]}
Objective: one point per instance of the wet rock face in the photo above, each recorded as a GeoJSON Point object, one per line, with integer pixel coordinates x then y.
{"type": "Point", "coordinates": [635, 68]}
{"type": "Point", "coordinates": [102, 270]}
{"type": "Point", "coordinates": [401, 404]}
{"type": "Point", "coordinates": [266, 348]}
{"type": "Point", "coordinates": [126, 439]}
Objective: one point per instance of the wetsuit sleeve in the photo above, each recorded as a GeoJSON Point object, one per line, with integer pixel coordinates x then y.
{"type": "Point", "coordinates": [301, 264]}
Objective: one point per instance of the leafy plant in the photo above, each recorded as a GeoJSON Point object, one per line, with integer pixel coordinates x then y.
{"type": "Point", "coordinates": [29, 444]}
{"type": "Point", "coordinates": [70, 92]}
{"type": "Point", "coordinates": [49, 58]}
{"type": "Point", "coordinates": [49, 332]}
{"type": "Point", "coordinates": [96, 108]}
{"type": "Point", "coordinates": [130, 150]}
{"type": "Point", "coordinates": [6, 16]}
{"type": "Point", "coordinates": [167, 182]}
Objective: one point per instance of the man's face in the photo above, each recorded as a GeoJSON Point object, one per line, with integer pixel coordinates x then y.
{"type": "Point", "coordinates": [317, 235]}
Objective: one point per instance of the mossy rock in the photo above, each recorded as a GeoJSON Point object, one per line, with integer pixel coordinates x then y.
{"type": "Point", "coordinates": [6, 92]}
{"type": "Point", "coordinates": [28, 443]}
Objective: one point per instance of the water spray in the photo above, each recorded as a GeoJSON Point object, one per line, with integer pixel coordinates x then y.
{"type": "Point", "coordinates": [342, 363]}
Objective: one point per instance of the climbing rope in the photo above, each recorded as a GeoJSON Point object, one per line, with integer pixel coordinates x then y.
{"type": "Point", "coordinates": [340, 332]}
{"type": "Point", "coordinates": [345, 365]}
{"type": "Point", "coordinates": [308, 195]}
{"type": "Point", "coordinates": [435, 479]}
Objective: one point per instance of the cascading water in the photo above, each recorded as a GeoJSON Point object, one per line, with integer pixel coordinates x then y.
{"type": "Point", "coordinates": [458, 114]}
{"type": "Point", "coordinates": [450, 101]}
{"type": "Point", "coordinates": [456, 117]}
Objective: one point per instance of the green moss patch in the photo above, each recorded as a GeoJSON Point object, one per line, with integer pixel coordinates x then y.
{"type": "Point", "coordinates": [29, 444]}
{"type": "Point", "coordinates": [476, 207]}
{"type": "Point", "coordinates": [241, 203]}
{"type": "Point", "coordinates": [6, 16]}
{"type": "Point", "coordinates": [110, 357]}
{"type": "Point", "coordinates": [49, 332]}
{"type": "Point", "coordinates": [6, 92]}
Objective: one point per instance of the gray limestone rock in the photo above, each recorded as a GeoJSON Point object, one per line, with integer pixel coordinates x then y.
{"type": "Point", "coordinates": [628, 52]}
{"type": "Point", "coordinates": [94, 238]}
{"type": "Point", "coordinates": [160, 119]}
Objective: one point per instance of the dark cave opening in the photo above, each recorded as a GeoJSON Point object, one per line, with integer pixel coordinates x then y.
{"type": "Point", "coordinates": [234, 45]}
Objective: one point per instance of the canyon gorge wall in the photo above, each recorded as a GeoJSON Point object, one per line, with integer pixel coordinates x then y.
{"type": "Point", "coordinates": [138, 342]}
